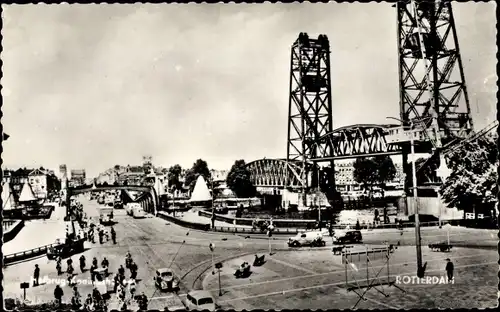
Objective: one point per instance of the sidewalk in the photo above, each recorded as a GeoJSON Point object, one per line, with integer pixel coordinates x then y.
{"type": "Point", "coordinates": [37, 233]}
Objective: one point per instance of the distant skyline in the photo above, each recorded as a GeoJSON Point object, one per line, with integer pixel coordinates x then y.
{"type": "Point", "coordinates": [92, 86]}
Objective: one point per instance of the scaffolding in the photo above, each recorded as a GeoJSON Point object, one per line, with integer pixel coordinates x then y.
{"type": "Point", "coordinates": [361, 282]}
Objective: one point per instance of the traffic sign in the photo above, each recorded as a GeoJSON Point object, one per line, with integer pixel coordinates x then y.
{"type": "Point", "coordinates": [212, 247]}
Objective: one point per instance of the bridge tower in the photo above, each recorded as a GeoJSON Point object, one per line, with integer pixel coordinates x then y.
{"type": "Point", "coordinates": [433, 92]}
{"type": "Point", "coordinates": [310, 105]}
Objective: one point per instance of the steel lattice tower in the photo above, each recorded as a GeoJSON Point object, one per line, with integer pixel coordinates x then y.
{"type": "Point", "coordinates": [433, 92]}
{"type": "Point", "coordinates": [432, 82]}
{"type": "Point", "coordinates": [310, 104]}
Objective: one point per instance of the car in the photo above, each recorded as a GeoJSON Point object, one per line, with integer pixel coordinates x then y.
{"type": "Point", "coordinates": [349, 237]}
{"type": "Point", "coordinates": [307, 239]}
{"type": "Point", "coordinates": [200, 300]}
{"type": "Point", "coordinates": [65, 249]}
{"type": "Point", "coordinates": [165, 280]}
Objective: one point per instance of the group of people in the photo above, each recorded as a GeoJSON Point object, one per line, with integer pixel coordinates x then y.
{"type": "Point", "coordinates": [101, 233]}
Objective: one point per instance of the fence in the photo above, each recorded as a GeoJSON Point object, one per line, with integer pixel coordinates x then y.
{"type": "Point", "coordinates": [27, 254]}
{"type": "Point", "coordinates": [11, 228]}
{"type": "Point", "coordinates": [278, 223]}
{"type": "Point", "coordinates": [191, 225]}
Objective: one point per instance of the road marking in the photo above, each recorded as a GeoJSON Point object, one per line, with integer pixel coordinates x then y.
{"type": "Point", "coordinates": [297, 267]}
{"type": "Point", "coordinates": [383, 304]}
{"type": "Point", "coordinates": [282, 292]}
{"type": "Point", "coordinates": [327, 273]}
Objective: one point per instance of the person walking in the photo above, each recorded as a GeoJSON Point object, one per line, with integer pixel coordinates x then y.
{"type": "Point", "coordinates": [113, 235]}
{"type": "Point", "coordinates": [36, 276]}
{"type": "Point", "coordinates": [58, 294]}
{"type": "Point", "coordinates": [449, 270]}
{"type": "Point", "coordinates": [82, 263]}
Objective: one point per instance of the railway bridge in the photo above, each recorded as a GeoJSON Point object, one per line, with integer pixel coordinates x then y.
{"type": "Point", "coordinates": [149, 199]}
{"type": "Point", "coordinates": [434, 104]}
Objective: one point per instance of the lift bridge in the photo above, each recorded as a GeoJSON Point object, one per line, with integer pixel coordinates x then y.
{"type": "Point", "coordinates": [433, 101]}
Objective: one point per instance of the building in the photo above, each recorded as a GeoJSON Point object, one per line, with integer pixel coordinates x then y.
{"type": "Point", "coordinates": [37, 179]}
{"type": "Point", "coordinates": [43, 182]}
{"type": "Point", "coordinates": [63, 175]}
{"type": "Point", "coordinates": [344, 177]}
{"type": "Point", "coordinates": [219, 175]}
{"type": "Point", "coordinates": [78, 177]}
{"type": "Point", "coordinates": [133, 175]}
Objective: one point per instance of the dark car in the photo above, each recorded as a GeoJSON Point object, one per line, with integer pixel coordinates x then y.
{"type": "Point", "coordinates": [350, 237]}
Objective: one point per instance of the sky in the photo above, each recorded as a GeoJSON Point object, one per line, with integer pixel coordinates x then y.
{"type": "Point", "coordinates": [92, 86]}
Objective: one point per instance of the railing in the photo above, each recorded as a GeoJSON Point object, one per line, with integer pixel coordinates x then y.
{"type": "Point", "coordinates": [278, 223]}
{"type": "Point", "coordinates": [27, 254]}
{"type": "Point", "coordinates": [191, 225]}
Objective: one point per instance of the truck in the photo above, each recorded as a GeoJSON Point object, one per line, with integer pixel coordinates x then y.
{"type": "Point", "coordinates": [106, 215]}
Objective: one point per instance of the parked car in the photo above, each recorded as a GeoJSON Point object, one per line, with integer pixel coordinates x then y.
{"type": "Point", "coordinates": [165, 280]}
{"type": "Point", "coordinates": [349, 237]}
{"type": "Point", "coordinates": [200, 300]}
{"type": "Point", "coordinates": [314, 239]}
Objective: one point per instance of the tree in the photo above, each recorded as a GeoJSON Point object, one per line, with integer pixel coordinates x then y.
{"type": "Point", "coordinates": [365, 172]}
{"type": "Point", "coordinates": [385, 171]}
{"type": "Point", "coordinates": [200, 167]}
{"type": "Point", "coordinates": [173, 176]}
{"type": "Point", "coordinates": [238, 180]}
{"type": "Point", "coordinates": [472, 185]}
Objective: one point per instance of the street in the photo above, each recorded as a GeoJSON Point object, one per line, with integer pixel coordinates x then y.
{"type": "Point", "coordinates": [288, 277]}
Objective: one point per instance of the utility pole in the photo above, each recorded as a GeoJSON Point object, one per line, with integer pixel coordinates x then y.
{"type": "Point", "coordinates": [213, 208]}
{"type": "Point", "coordinates": [415, 198]}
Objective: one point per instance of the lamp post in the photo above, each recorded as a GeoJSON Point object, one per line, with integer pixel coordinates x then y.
{"type": "Point", "coordinates": [213, 208]}
{"type": "Point", "coordinates": [415, 196]}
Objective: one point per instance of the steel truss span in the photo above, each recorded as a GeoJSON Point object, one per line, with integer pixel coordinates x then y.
{"type": "Point", "coordinates": [357, 141]}
{"type": "Point", "coordinates": [273, 173]}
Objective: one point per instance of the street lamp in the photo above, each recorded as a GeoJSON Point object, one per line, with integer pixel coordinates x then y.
{"type": "Point", "coordinates": [420, 272]}
{"type": "Point", "coordinates": [213, 208]}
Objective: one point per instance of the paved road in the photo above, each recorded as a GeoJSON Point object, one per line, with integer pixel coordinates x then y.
{"type": "Point", "coordinates": [154, 244]}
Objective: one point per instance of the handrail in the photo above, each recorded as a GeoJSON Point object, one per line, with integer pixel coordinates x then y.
{"type": "Point", "coordinates": [14, 255]}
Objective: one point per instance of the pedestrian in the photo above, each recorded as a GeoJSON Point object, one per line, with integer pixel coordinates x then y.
{"type": "Point", "coordinates": [449, 270]}
{"type": "Point", "coordinates": [121, 270]}
{"type": "Point", "coordinates": [113, 235]}
{"type": "Point", "coordinates": [82, 263]}
{"type": "Point", "coordinates": [105, 263]}
{"type": "Point", "coordinates": [133, 270]}
{"type": "Point", "coordinates": [36, 275]}
{"type": "Point", "coordinates": [58, 294]}
{"type": "Point", "coordinates": [88, 303]}
{"type": "Point", "coordinates": [92, 273]}
{"type": "Point", "coordinates": [143, 302]}
{"type": "Point", "coordinates": [94, 262]}
{"type": "Point", "coordinates": [116, 280]}
{"type": "Point", "coordinates": [358, 226]}
{"type": "Point", "coordinates": [100, 237]}
{"type": "Point", "coordinates": [58, 267]}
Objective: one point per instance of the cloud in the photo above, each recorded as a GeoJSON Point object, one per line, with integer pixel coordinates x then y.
{"type": "Point", "coordinates": [97, 85]}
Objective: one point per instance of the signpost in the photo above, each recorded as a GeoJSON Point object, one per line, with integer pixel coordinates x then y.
{"type": "Point", "coordinates": [23, 287]}
{"type": "Point", "coordinates": [218, 266]}
{"type": "Point", "coordinates": [212, 247]}
{"type": "Point", "coordinates": [270, 234]}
